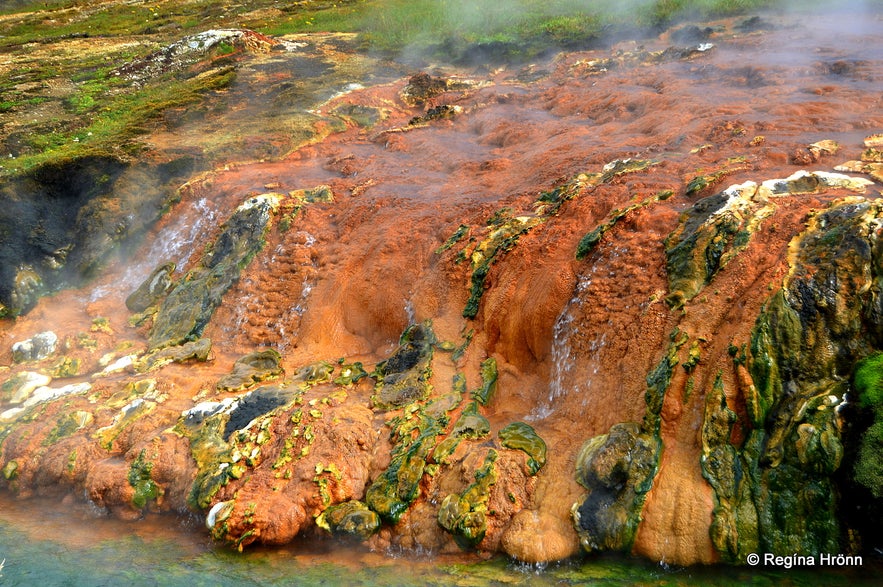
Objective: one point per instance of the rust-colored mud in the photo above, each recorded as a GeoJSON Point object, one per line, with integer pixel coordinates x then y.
{"type": "Point", "coordinates": [345, 279]}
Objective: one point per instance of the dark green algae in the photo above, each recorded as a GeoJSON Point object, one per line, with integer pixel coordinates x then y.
{"type": "Point", "coordinates": [781, 488]}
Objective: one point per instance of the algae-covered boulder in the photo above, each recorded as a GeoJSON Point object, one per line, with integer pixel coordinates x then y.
{"type": "Point", "coordinates": [190, 305]}
{"type": "Point", "coordinates": [618, 469]}
{"type": "Point", "coordinates": [252, 368]}
{"type": "Point", "coordinates": [711, 233]}
{"type": "Point", "coordinates": [403, 378]}
{"type": "Point", "coordinates": [717, 228]}
{"type": "Point", "coordinates": [152, 289]}
{"type": "Point", "coordinates": [778, 491]}
{"type": "Point", "coordinates": [197, 350]}
{"type": "Point", "coordinates": [352, 518]}
{"type": "Point", "coordinates": [465, 514]}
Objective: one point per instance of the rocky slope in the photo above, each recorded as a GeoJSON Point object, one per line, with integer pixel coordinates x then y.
{"type": "Point", "coordinates": [627, 299]}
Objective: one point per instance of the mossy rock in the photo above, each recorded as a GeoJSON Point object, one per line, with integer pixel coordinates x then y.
{"type": "Point", "coordinates": [152, 289]}
{"type": "Point", "coordinates": [415, 434]}
{"type": "Point", "coordinates": [521, 436]}
{"type": "Point", "coordinates": [471, 424]}
{"type": "Point", "coordinates": [464, 515]}
{"type": "Point", "coordinates": [710, 234]}
{"type": "Point", "coordinates": [351, 518]}
{"type": "Point", "coordinates": [254, 405]}
{"type": "Point", "coordinates": [64, 368]}
{"type": "Point", "coordinates": [404, 377]}
{"type": "Point", "coordinates": [485, 393]}
{"type": "Point", "coordinates": [187, 309]}
{"type": "Point", "coordinates": [197, 350]}
{"type": "Point", "coordinates": [252, 368]}
{"type": "Point", "coordinates": [146, 489]}
{"type": "Point", "coordinates": [318, 372]}
{"type": "Point", "coordinates": [350, 373]}
{"type": "Point", "coordinates": [10, 470]}
{"type": "Point", "coordinates": [618, 470]}
{"type": "Point", "coordinates": [68, 424]}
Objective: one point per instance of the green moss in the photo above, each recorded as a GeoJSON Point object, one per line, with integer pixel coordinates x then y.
{"type": "Point", "coordinates": [471, 424]}
{"type": "Point", "coordinates": [693, 358]}
{"type": "Point", "coordinates": [351, 518]}
{"type": "Point", "coordinates": [485, 393]}
{"type": "Point", "coordinates": [869, 467]}
{"type": "Point", "coordinates": [465, 515]}
{"type": "Point", "coordinates": [146, 489]}
{"type": "Point", "coordinates": [520, 436]}
{"type": "Point", "coordinates": [868, 382]}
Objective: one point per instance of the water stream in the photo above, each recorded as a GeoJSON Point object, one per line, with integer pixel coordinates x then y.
{"type": "Point", "coordinates": [55, 543]}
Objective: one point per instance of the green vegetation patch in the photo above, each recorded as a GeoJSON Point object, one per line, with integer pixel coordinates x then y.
{"type": "Point", "coordinates": [465, 514]}
{"type": "Point", "coordinates": [868, 382]}
{"type": "Point", "coordinates": [521, 436]}
{"type": "Point", "coordinates": [146, 489]}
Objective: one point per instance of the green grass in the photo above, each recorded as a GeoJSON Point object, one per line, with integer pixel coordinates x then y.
{"type": "Point", "coordinates": [119, 120]}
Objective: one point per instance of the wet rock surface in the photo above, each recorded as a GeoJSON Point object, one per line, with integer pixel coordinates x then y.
{"type": "Point", "coordinates": [604, 307]}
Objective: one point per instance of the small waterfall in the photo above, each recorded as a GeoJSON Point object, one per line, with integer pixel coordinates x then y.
{"type": "Point", "coordinates": [310, 277]}
{"type": "Point", "coordinates": [410, 313]}
{"type": "Point", "coordinates": [176, 242]}
{"type": "Point", "coordinates": [575, 350]}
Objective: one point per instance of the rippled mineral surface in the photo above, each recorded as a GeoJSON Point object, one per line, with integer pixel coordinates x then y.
{"type": "Point", "coordinates": [619, 300]}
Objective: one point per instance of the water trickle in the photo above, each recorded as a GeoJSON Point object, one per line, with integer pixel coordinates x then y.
{"type": "Point", "coordinates": [175, 242]}
{"type": "Point", "coordinates": [256, 311]}
{"type": "Point", "coordinates": [564, 380]}
{"type": "Point", "coordinates": [410, 314]}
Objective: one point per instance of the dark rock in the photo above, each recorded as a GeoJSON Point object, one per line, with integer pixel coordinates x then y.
{"type": "Point", "coordinates": [255, 404]}
{"type": "Point", "coordinates": [152, 290]}
{"type": "Point", "coordinates": [190, 305]}
{"type": "Point", "coordinates": [618, 469]}
{"type": "Point", "coordinates": [403, 377]}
